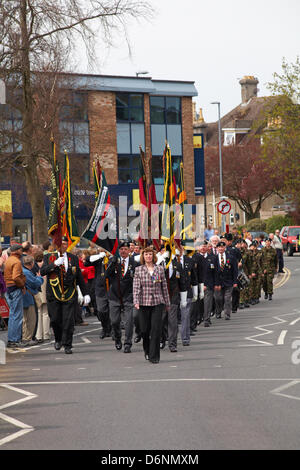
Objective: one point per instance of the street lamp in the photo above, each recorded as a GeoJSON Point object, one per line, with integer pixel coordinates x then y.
{"type": "Point", "coordinates": [223, 228]}
{"type": "Point", "coordinates": [140, 73]}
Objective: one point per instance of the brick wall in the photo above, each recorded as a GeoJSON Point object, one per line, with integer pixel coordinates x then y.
{"type": "Point", "coordinates": [103, 132]}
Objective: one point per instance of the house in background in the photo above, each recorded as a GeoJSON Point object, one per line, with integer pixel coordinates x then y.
{"type": "Point", "coordinates": [238, 127]}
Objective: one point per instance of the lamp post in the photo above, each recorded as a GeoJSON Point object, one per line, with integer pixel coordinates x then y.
{"type": "Point", "coordinates": [223, 228]}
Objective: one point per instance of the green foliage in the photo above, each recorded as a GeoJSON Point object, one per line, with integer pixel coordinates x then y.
{"type": "Point", "coordinates": [277, 222]}
{"type": "Point", "coordinates": [281, 139]}
{"type": "Point", "coordinates": [256, 225]}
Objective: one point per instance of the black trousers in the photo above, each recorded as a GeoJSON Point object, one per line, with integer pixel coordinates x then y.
{"type": "Point", "coordinates": [150, 319]}
{"type": "Point", "coordinates": [280, 259]}
{"type": "Point", "coordinates": [62, 320]}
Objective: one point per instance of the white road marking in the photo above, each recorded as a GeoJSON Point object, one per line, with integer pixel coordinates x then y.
{"type": "Point", "coordinates": [294, 321]}
{"type": "Point", "coordinates": [277, 391]}
{"type": "Point", "coordinates": [281, 337]}
{"type": "Point", "coordinates": [25, 428]}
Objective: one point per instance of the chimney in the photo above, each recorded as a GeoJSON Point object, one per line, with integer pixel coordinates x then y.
{"type": "Point", "coordinates": [249, 88]}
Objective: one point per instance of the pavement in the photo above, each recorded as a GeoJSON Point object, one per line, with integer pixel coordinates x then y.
{"type": "Point", "coordinates": [237, 386]}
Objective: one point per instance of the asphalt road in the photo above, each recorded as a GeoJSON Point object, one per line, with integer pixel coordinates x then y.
{"type": "Point", "coordinates": [237, 386]}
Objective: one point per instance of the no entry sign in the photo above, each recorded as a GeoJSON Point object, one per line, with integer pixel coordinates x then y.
{"type": "Point", "coordinates": [224, 207]}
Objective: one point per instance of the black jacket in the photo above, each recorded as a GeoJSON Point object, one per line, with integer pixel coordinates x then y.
{"type": "Point", "coordinates": [228, 276]}
{"type": "Point", "coordinates": [189, 275]}
{"type": "Point", "coordinates": [210, 270]}
{"type": "Point", "coordinates": [100, 280]}
{"type": "Point", "coordinates": [71, 278]}
{"type": "Point", "coordinates": [176, 282]}
{"type": "Point", "coordinates": [199, 265]}
{"type": "Point", "coordinates": [121, 288]}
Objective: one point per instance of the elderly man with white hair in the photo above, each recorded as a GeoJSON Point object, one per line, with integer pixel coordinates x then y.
{"type": "Point", "coordinates": [214, 240]}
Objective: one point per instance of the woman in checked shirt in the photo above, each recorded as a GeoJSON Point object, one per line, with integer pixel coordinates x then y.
{"type": "Point", "coordinates": [150, 294]}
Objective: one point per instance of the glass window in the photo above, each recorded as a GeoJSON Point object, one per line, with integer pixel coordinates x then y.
{"type": "Point", "coordinates": [157, 109]}
{"type": "Point", "coordinates": [130, 107]}
{"type": "Point", "coordinates": [158, 138]}
{"type": "Point", "coordinates": [81, 137]}
{"type": "Point", "coordinates": [173, 110]}
{"type": "Point", "coordinates": [128, 168]}
{"type": "Point", "coordinates": [123, 138]}
{"type": "Point", "coordinates": [175, 139]}
{"type": "Point", "coordinates": [137, 137]}
{"type": "Point", "coordinates": [165, 109]}
{"type": "Point", "coordinates": [74, 107]}
{"type": "Point", "coordinates": [124, 162]}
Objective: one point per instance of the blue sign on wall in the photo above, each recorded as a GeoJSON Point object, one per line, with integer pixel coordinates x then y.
{"type": "Point", "coordinates": [199, 165]}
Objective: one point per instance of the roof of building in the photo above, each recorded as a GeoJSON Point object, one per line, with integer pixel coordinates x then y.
{"type": "Point", "coordinates": [131, 84]}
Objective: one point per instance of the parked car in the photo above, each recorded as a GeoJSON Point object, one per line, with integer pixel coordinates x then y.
{"type": "Point", "coordinates": [289, 238]}
{"type": "Point", "coordinates": [258, 234]}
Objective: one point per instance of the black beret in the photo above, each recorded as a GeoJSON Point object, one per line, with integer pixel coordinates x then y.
{"type": "Point", "coordinates": [228, 236]}
{"type": "Point", "coordinates": [15, 247]}
{"type": "Point", "coordinates": [269, 239]}
{"type": "Point", "coordinates": [124, 244]}
{"type": "Point", "coordinates": [221, 244]}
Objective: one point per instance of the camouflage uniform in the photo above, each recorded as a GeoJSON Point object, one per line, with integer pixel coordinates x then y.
{"type": "Point", "coordinates": [269, 264]}
{"type": "Point", "coordinates": [255, 282]}
{"type": "Point", "coordinates": [247, 263]}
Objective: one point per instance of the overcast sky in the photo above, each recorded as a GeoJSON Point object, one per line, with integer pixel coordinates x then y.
{"type": "Point", "coordinates": [211, 42]}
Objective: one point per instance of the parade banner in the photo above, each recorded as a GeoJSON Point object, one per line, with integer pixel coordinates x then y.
{"type": "Point", "coordinates": [186, 226]}
{"type": "Point", "coordinates": [54, 218]}
{"type": "Point", "coordinates": [168, 214]}
{"type": "Point", "coordinates": [199, 165]}
{"type": "Point", "coordinates": [69, 225]}
{"type": "Point", "coordinates": [102, 229]}
{"type": "Point", "coordinates": [143, 192]}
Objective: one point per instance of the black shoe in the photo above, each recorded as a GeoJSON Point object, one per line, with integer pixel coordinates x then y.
{"type": "Point", "coordinates": [173, 349]}
{"type": "Point", "coordinates": [185, 344]}
{"type": "Point", "coordinates": [270, 297]}
{"type": "Point", "coordinates": [247, 306]}
{"type": "Point", "coordinates": [234, 311]}
{"type": "Point", "coordinates": [127, 348]}
{"type": "Point", "coordinates": [206, 324]}
{"type": "Point", "coordinates": [266, 296]}
{"type": "Point", "coordinates": [118, 344]}
{"type": "Point", "coordinates": [146, 356]}
{"type": "Point", "coordinates": [57, 345]}
{"type": "Point", "coordinates": [162, 345]}
{"type": "Point", "coordinates": [227, 317]}
{"type": "Point", "coordinates": [103, 335]}
{"type": "Point", "coordinates": [242, 306]}
{"type": "Point", "coordinates": [154, 361]}
{"type": "Point", "coordinates": [218, 316]}
{"type": "Point", "coordinates": [137, 338]}
{"type": "Point", "coordinates": [68, 350]}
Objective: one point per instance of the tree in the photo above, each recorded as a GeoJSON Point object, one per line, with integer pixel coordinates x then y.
{"type": "Point", "coordinates": [245, 176]}
{"type": "Point", "coordinates": [281, 141]}
{"type": "Point", "coordinates": [36, 38]}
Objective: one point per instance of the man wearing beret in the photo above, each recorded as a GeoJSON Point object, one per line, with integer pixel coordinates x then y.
{"type": "Point", "coordinates": [120, 273]}
{"type": "Point", "coordinates": [63, 276]}
{"type": "Point", "coordinates": [226, 280]}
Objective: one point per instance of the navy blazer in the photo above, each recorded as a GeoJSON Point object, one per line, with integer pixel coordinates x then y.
{"type": "Point", "coordinates": [120, 287]}
{"type": "Point", "coordinates": [228, 276]}
{"type": "Point", "coordinates": [210, 270]}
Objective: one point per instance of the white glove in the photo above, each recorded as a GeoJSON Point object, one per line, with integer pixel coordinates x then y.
{"type": "Point", "coordinates": [137, 258]}
{"type": "Point", "coordinates": [160, 259]}
{"type": "Point", "coordinates": [195, 293]}
{"type": "Point", "coordinates": [177, 252]}
{"type": "Point", "coordinates": [86, 300]}
{"type": "Point", "coordinates": [166, 255]}
{"type": "Point", "coordinates": [94, 258]}
{"type": "Point", "coordinates": [183, 299]}
{"type": "Point", "coordinates": [201, 290]}
{"type": "Point", "coordinates": [59, 261]}
{"type": "Point", "coordinates": [80, 296]}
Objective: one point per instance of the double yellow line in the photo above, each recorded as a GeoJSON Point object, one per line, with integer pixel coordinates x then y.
{"type": "Point", "coordinates": [284, 279]}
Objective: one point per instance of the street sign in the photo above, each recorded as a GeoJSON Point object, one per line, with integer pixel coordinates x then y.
{"type": "Point", "coordinates": [224, 207]}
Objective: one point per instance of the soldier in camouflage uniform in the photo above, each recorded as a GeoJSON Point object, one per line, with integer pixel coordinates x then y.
{"type": "Point", "coordinates": [256, 273]}
{"type": "Point", "coordinates": [246, 264]}
{"type": "Point", "coordinates": [269, 266]}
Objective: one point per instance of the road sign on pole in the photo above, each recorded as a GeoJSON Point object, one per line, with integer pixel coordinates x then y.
{"type": "Point", "coordinates": [224, 207]}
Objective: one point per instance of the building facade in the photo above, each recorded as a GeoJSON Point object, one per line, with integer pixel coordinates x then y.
{"type": "Point", "coordinates": [109, 118]}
